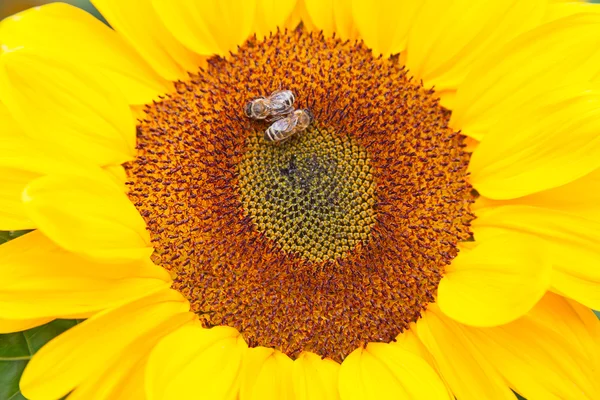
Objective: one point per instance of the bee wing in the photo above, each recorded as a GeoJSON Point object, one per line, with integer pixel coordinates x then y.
{"type": "Point", "coordinates": [284, 124]}
{"type": "Point", "coordinates": [282, 102]}
{"type": "Point", "coordinates": [281, 95]}
{"type": "Point", "coordinates": [276, 117]}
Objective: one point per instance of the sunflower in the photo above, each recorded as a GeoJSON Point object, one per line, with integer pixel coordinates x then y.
{"type": "Point", "coordinates": [432, 234]}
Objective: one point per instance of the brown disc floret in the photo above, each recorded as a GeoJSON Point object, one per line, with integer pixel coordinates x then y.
{"type": "Point", "coordinates": [333, 238]}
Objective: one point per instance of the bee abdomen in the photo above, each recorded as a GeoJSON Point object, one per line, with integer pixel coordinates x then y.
{"type": "Point", "coordinates": [270, 135]}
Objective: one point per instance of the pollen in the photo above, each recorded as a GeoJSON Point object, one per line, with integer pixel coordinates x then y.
{"type": "Point", "coordinates": [334, 238]}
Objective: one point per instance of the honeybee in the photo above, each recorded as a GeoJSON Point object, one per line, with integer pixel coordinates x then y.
{"type": "Point", "coordinates": [284, 128]}
{"type": "Point", "coordinates": [278, 104]}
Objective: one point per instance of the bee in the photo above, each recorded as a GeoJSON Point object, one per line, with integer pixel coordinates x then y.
{"type": "Point", "coordinates": [278, 104]}
{"type": "Point", "coordinates": [286, 127]}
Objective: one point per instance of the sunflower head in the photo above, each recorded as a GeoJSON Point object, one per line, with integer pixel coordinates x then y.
{"type": "Point", "coordinates": [336, 200]}
{"type": "Point", "coordinates": [350, 221]}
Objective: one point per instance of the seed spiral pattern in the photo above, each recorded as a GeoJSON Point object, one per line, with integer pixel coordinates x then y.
{"type": "Point", "coordinates": [198, 164]}
{"type": "Point", "coordinates": [313, 194]}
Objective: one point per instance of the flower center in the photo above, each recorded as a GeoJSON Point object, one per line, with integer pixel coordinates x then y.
{"type": "Point", "coordinates": [312, 195]}
{"type": "Point", "coordinates": [334, 238]}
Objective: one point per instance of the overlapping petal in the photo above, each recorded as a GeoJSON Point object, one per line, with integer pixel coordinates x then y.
{"type": "Point", "coordinates": [333, 16]}
{"type": "Point", "coordinates": [267, 374]}
{"type": "Point", "coordinates": [553, 140]}
{"type": "Point", "coordinates": [40, 280]}
{"type": "Point", "coordinates": [548, 354]}
{"type": "Point", "coordinates": [67, 107]}
{"type": "Point", "coordinates": [140, 24]}
{"type": "Point", "coordinates": [22, 160]}
{"type": "Point", "coordinates": [579, 197]}
{"type": "Point", "coordinates": [88, 216]}
{"type": "Point", "coordinates": [117, 174]}
{"type": "Point", "coordinates": [212, 26]}
{"type": "Point", "coordinates": [383, 370]}
{"type": "Point", "coordinates": [68, 34]}
{"type": "Point", "coordinates": [384, 25]}
{"type": "Point", "coordinates": [315, 378]}
{"type": "Point", "coordinates": [274, 14]}
{"type": "Point", "coordinates": [572, 243]}
{"type": "Point", "coordinates": [194, 362]}
{"type": "Point", "coordinates": [12, 211]}
{"type": "Point", "coordinates": [562, 52]}
{"type": "Point", "coordinates": [454, 359]}
{"type": "Point", "coordinates": [125, 379]}
{"type": "Point", "coordinates": [102, 340]}
{"type": "Point", "coordinates": [447, 37]}
{"type": "Point", "coordinates": [496, 282]}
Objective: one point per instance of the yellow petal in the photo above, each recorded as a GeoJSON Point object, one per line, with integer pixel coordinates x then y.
{"type": "Point", "coordinates": [67, 107]}
{"type": "Point", "coordinates": [409, 341]}
{"type": "Point", "coordinates": [17, 151]}
{"type": "Point", "coordinates": [384, 25]}
{"type": "Point", "coordinates": [194, 362]}
{"type": "Point", "coordinates": [208, 27]}
{"type": "Point", "coordinates": [12, 211]}
{"type": "Point", "coordinates": [271, 14]}
{"type": "Point", "coordinates": [454, 360]}
{"type": "Point", "coordinates": [564, 9]}
{"type": "Point", "coordinates": [96, 344]}
{"type": "Point", "coordinates": [75, 37]}
{"type": "Point", "coordinates": [496, 282]}
{"type": "Point", "coordinates": [314, 378]}
{"type": "Point", "coordinates": [118, 175]}
{"type": "Point", "coordinates": [562, 52]}
{"type": "Point", "coordinates": [131, 387]}
{"type": "Point", "coordinates": [333, 17]}
{"type": "Point", "coordinates": [553, 140]}
{"type": "Point", "coordinates": [125, 378]}
{"type": "Point", "coordinates": [267, 375]}
{"type": "Point", "coordinates": [21, 161]}
{"type": "Point", "coordinates": [570, 283]}
{"type": "Point", "coordinates": [300, 15]}
{"type": "Point", "coordinates": [41, 280]}
{"type": "Point", "coordinates": [580, 197]}
{"type": "Point", "coordinates": [138, 112]}
{"type": "Point", "coordinates": [140, 25]}
{"type": "Point", "coordinates": [575, 323]}
{"type": "Point", "coordinates": [88, 216]}
{"type": "Point", "coordinates": [447, 37]}
{"type": "Point", "coordinates": [572, 242]}
{"type": "Point", "coordinates": [536, 359]}
{"type": "Point", "coordinates": [17, 325]}
{"type": "Point", "coordinates": [12, 181]}
{"type": "Point", "coordinates": [385, 371]}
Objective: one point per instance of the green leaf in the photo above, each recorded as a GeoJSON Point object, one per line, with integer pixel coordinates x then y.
{"type": "Point", "coordinates": [16, 349]}
{"type": "Point", "coordinates": [6, 236]}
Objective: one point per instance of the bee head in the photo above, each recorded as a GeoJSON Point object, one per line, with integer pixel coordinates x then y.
{"type": "Point", "coordinates": [311, 116]}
